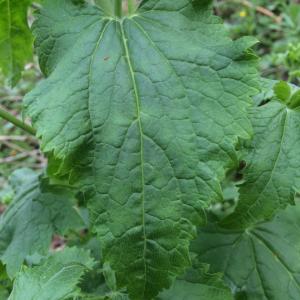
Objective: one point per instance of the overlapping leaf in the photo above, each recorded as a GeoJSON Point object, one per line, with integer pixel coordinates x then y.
{"type": "Point", "coordinates": [259, 257]}
{"type": "Point", "coordinates": [273, 172]}
{"type": "Point", "coordinates": [34, 216]}
{"type": "Point", "coordinates": [143, 113]}
{"type": "Point", "coordinates": [198, 284]}
{"type": "Point", "coordinates": [15, 37]}
{"type": "Point", "coordinates": [55, 279]}
{"type": "Point", "coordinates": [260, 263]}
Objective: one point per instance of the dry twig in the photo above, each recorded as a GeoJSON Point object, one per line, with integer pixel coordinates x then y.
{"type": "Point", "coordinates": [18, 138]}
{"type": "Point", "coordinates": [19, 156]}
{"type": "Point", "coordinates": [13, 146]}
{"type": "Point", "coordinates": [259, 9]}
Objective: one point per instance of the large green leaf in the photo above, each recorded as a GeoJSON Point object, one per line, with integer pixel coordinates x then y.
{"type": "Point", "coordinates": [15, 37]}
{"type": "Point", "coordinates": [143, 113]}
{"type": "Point", "coordinates": [34, 216]}
{"type": "Point", "coordinates": [261, 262]}
{"type": "Point", "coordinates": [273, 172]}
{"type": "Point", "coordinates": [55, 279]}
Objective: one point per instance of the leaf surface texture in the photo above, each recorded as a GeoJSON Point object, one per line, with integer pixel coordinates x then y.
{"type": "Point", "coordinates": [143, 114]}
{"type": "Point", "coordinates": [262, 262]}
{"type": "Point", "coordinates": [29, 223]}
{"type": "Point", "coordinates": [198, 284]}
{"type": "Point", "coordinates": [272, 176]}
{"type": "Point", "coordinates": [55, 279]}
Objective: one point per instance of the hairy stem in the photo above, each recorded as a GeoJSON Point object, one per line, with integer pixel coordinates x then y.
{"type": "Point", "coordinates": [12, 119]}
{"type": "Point", "coordinates": [118, 8]}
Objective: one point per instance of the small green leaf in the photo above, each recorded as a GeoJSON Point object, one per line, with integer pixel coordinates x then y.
{"type": "Point", "coordinates": [36, 213]}
{"type": "Point", "coordinates": [55, 279]}
{"type": "Point", "coordinates": [282, 91]}
{"type": "Point", "coordinates": [295, 100]}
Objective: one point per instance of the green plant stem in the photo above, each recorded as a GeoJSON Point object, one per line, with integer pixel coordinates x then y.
{"type": "Point", "coordinates": [12, 119]}
{"type": "Point", "coordinates": [118, 8]}
{"type": "Point", "coordinates": [131, 7]}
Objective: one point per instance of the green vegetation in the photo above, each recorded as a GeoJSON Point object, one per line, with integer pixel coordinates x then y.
{"type": "Point", "coordinates": [155, 156]}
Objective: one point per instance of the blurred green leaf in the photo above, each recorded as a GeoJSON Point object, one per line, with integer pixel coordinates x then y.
{"type": "Point", "coordinates": [15, 38]}
{"type": "Point", "coordinates": [295, 100]}
{"type": "Point", "coordinates": [282, 91]}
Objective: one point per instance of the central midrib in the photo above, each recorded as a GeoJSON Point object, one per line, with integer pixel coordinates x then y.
{"type": "Point", "coordinates": [138, 104]}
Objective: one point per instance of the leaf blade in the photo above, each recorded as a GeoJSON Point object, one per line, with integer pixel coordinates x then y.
{"type": "Point", "coordinates": [34, 216]}
{"type": "Point", "coordinates": [198, 284]}
{"type": "Point", "coordinates": [283, 91]}
{"type": "Point", "coordinates": [271, 177]}
{"type": "Point", "coordinates": [263, 250]}
{"type": "Point", "coordinates": [55, 279]}
{"type": "Point", "coordinates": [147, 185]}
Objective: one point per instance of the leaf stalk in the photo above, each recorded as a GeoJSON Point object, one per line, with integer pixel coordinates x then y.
{"type": "Point", "coordinates": [17, 122]}
{"type": "Point", "coordinates": [131, 7]}
{"type": "Point", "coordinates": [118, 8]}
